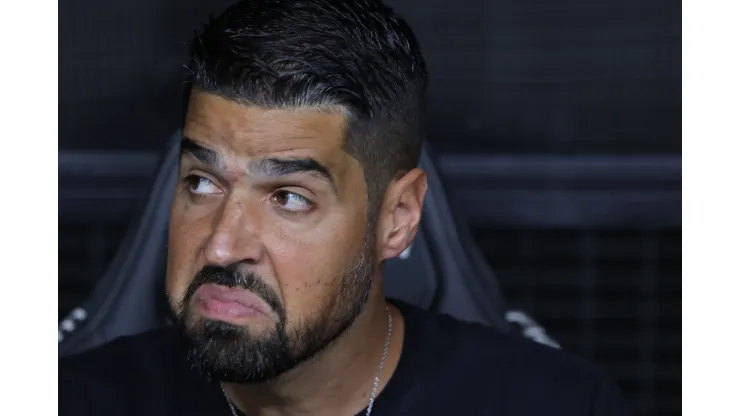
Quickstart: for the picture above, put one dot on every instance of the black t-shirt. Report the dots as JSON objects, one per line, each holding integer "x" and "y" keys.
{"x": 447, "y": 367}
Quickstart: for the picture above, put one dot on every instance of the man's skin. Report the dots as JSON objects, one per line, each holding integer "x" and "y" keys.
{"x": 235, "y": 211}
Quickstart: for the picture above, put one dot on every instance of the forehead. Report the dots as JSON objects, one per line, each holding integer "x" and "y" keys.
{"x": 251, "y": 131}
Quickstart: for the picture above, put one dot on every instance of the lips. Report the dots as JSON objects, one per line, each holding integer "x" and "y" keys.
{"x": 223, "y": 302}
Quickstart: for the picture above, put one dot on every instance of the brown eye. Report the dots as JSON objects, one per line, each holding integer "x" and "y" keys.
{"x": 292, "y": 202}
{"x": 198, "y": 185}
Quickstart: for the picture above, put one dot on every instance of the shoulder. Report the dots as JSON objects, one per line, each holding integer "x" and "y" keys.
{"x": 512, "y": 371}
{"x": 100, "y": 381}
{"x": 122, "y": 355}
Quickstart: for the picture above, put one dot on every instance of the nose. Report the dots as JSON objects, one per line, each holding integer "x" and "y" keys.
{"x": 234, "y": 237}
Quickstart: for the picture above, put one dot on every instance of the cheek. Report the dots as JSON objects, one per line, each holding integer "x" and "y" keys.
{"x": 184, "y": 241}
{"x": 310, "y": 266}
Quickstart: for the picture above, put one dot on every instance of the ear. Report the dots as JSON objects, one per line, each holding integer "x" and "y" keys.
{"x": 400, "y": 213}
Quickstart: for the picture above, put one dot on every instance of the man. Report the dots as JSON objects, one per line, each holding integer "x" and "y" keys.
{"x": 297, "y": 180}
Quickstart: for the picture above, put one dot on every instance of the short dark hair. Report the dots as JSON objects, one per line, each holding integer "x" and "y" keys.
{"x": 355, "y": 55}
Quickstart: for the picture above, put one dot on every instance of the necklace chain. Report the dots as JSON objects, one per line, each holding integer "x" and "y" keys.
{"x": 376, "y": 381}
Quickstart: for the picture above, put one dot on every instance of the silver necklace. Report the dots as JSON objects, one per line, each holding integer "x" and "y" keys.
{"x": 376, "y": 382}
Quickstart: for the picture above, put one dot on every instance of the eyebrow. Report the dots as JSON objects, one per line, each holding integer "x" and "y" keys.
{"x": 270, "y": 167}
{"x": 201, "y": 153}
{"x": 278, "y": 167}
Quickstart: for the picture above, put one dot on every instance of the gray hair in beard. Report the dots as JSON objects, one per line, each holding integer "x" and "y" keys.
{"x": 225, "y": 352}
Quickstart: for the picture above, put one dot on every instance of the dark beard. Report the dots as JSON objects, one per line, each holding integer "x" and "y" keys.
{"x": 225, "y": 352}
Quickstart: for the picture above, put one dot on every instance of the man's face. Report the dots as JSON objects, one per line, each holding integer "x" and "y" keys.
{"x": 270, "y": 255}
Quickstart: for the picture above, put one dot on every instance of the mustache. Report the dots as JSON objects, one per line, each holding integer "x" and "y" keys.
{"x": 233, "y": 277}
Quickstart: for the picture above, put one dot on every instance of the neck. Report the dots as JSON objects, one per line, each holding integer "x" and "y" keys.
{"x": 337, "y": 380}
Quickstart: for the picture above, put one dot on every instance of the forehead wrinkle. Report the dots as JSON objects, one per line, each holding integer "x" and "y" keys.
{"x": 282, "y": 124}
{"x": 236, "y": 121}
{"x": 241, "y": 131}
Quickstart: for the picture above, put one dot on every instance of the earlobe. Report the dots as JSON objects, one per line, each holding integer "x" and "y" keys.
{"x": 402, "y": 213}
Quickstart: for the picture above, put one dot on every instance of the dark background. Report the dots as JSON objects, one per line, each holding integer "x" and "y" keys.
{"x": 558, "y": 127}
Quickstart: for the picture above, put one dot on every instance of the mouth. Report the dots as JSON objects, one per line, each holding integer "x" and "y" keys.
{"x": 229, "y": 304}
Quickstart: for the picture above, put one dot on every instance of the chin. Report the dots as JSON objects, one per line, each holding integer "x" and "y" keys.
{"x": 224, "y": 352}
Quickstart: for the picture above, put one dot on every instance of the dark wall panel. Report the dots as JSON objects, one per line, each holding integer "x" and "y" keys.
{"x": 532, "y": 76}
{"x": 120, "y": 70}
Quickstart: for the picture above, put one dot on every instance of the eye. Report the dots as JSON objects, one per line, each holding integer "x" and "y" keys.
{"x": 200, "y": 186}
{"x": 292, "y": 202}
